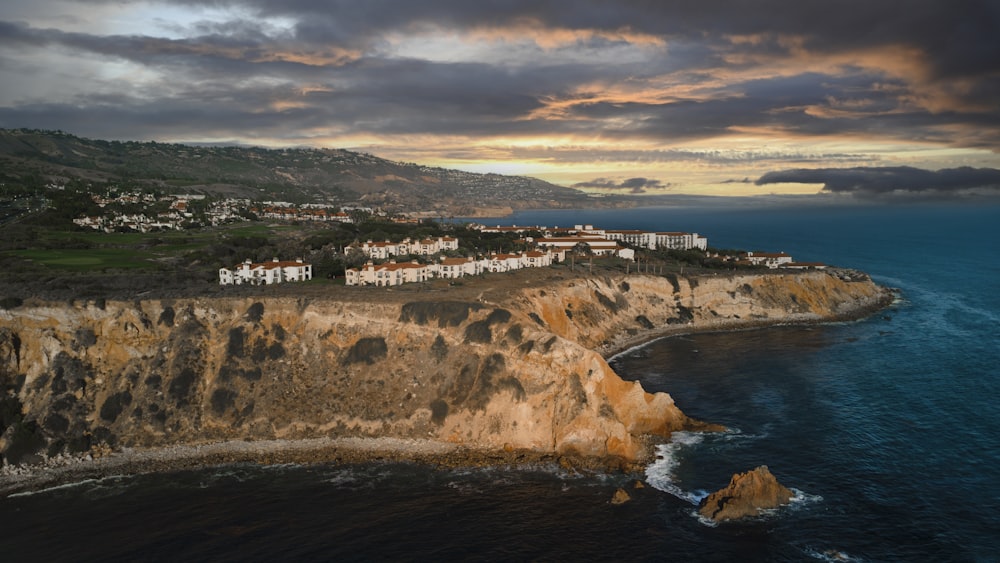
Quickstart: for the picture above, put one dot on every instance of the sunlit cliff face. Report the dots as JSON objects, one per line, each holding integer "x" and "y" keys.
{"x": 700, "y": 99}
{"x": 495, "y": 369}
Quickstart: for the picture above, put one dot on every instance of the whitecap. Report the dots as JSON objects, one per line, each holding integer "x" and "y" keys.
{"x": 64, "y": 486}
{"x": 802, "y": 499}
{"x": 831, "y": 555}
{"x": 660, "y": 473}
{"x": 342, "y": 478}
{"x": 704, "y": 520}
{"x": 736, "y": 435}
{"x": 637, "y": 351}
{"x": 92, "y": 489}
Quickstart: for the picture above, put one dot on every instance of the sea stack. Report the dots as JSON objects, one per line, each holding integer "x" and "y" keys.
{"x": 747, "y": 494}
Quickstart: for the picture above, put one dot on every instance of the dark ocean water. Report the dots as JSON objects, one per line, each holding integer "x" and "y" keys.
{"x": 888, "y": 429}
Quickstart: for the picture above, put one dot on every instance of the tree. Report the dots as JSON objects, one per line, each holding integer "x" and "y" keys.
{"x": 583, "y": 249}
{"x": 355, "y": 257}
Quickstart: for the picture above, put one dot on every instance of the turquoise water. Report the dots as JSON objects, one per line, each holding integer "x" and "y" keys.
{"x": 886, "y": 429}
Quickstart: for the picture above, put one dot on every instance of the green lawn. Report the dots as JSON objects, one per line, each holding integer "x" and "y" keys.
{"x": 87, "y": 260}
{"x": 132, "y": 250}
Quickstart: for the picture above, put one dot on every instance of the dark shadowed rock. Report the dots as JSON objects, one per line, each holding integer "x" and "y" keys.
{"x": 747, "y": 494}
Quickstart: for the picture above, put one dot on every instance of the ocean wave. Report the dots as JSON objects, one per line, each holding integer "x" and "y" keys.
{"x": 660, "y": 473}
{"x": 465, "y": 488}
{"x": 831, "y": 555}
{"x": 91, "y": 489}
{"x": 345, "y": 478}
{"x": 56, "y": 488}
{"x": 803, "y": 498}
{"x": 737, "y": 435}
{"x": 637, "y": 351}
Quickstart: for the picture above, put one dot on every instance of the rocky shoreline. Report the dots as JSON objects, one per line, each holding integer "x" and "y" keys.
{"x": 67, "y": 469}
{"x": 621, "y": 345}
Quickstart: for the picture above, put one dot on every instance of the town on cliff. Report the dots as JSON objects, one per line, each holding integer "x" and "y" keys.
{"x": 391, "y": 263}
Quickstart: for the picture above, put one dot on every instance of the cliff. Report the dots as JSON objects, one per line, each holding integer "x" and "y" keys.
{"x": 519, "y": 368}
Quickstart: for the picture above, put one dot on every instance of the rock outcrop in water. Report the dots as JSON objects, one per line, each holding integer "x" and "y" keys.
{"x": 488, "y": 367}
{"x": 746, "y": 495}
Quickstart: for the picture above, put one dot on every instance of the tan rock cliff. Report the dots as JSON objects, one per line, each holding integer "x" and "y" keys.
{"x": 515, "y": 369}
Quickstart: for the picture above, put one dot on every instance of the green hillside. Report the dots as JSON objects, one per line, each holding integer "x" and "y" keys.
{"x": 296, "y": 175}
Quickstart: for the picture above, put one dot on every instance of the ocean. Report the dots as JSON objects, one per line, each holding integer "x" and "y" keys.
{"x": 885, "y": 428}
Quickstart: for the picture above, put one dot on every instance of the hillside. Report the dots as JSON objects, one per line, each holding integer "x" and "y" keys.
{"x": 298, "y": 175}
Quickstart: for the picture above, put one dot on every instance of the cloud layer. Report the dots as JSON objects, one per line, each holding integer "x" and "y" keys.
{"x": 884, "y": 181}
{"x": 675, "y": 93}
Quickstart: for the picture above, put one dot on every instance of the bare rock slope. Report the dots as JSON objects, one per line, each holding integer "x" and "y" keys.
{"x": 518, "y": 369}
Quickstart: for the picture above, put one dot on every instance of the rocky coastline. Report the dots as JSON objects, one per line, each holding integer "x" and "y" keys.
{"x": 487, "y": 377}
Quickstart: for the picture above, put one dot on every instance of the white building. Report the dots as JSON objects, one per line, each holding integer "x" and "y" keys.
{"x": 598, "y": 245}
{"x": 680, "y": 241}
{"x": 504, "y": 262}
{"x": 641, "y": 239}
{"x": 555, "y": 237}
{"x": 453, "y": 268}
{"x": 537, "y": 259}
{"x": 658, "y": 240}
{"x": 265, "y": 273}
{"x": 389, "y": 274}
{"x": 428, "y": 247}
{"x": 770, "y": 259}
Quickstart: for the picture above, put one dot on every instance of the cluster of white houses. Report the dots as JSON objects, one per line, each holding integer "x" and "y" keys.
{"x": 266, "y": 273}
{"x": 774, "y": 260}
{"x": 395, "y": 273}
{"x": 305, "y": 213}
{"x": 551, "y": 248}
{"x": 653, "y": 240}
{"x": 173, "y": 219}
{"x": 386, "y": 249}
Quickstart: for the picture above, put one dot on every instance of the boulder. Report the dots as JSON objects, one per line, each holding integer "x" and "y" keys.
{"x": 620, "y": 497}
{"x": 747, "y": 494}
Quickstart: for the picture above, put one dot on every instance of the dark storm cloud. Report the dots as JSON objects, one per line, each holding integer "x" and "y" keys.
{"x": 910, "y": 70}
{"x": 240, "y": 54}
{"x": 870, "y": 181}
{"x": 633, "y": 185}
{"x": 958, "y": 36}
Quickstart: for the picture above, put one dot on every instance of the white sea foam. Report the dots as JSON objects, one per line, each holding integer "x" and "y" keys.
{"x": 93, "y": 489}
{"x": 46, "y": 490}
{"x": 737, "y": 435}
{"x": 703, "y": 520}
{"x": 464, "y": 488}
{"x": 342, "y": 478}
{"x": 634, "y": 349}
{"x": 803, "y": 498}
{"x": 660, "y": 473}
{"x": 831, "y": 555}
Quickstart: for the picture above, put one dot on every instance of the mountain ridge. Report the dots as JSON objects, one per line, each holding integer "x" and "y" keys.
{"x": 298, "y": 175}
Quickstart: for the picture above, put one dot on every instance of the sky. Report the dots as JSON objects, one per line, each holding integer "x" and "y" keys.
{"x": 869, "y": 99}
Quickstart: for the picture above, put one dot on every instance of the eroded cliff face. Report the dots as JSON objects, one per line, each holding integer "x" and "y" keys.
{"x": 522, "y": 372}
